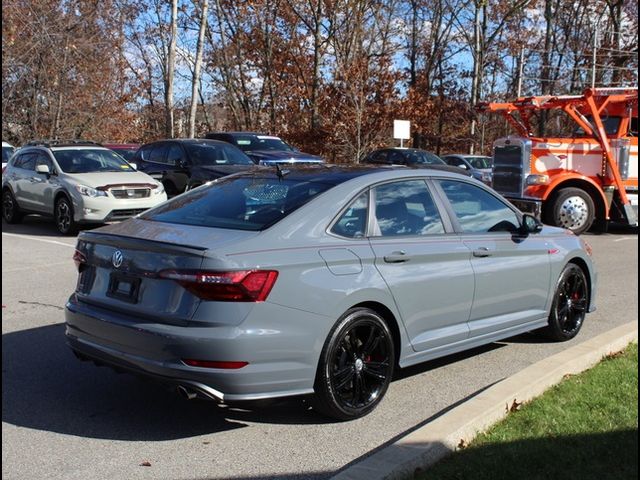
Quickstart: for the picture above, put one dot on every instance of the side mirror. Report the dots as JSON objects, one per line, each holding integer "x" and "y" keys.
{"x": 43, "y": 169}
{"x": 182, "y": 163}
{"x": 462, "y": 166}
{"x": 133, "y": 165}
{"x": 530, "y": 224}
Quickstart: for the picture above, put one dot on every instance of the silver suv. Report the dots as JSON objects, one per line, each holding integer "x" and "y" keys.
{"x": 76, "y": 182}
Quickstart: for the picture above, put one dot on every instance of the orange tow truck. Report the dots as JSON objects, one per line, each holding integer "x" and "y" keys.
{"x": 578, "y": 181}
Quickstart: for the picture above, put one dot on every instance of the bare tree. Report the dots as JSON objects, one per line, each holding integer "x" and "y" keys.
{"x": 195, "y": 83}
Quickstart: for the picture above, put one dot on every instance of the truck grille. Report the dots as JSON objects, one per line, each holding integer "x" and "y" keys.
{"x": 130, "y": 192}
{"x": 507, "y": 169}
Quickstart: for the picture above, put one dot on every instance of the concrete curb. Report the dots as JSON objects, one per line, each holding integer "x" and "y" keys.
{"x": 425, "y": 446}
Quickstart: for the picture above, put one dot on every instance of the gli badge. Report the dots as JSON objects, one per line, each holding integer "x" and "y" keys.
{"x": 117, "y": 258}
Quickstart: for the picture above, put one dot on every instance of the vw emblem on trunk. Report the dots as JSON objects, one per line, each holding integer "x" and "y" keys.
{"x": 117, "y": 258}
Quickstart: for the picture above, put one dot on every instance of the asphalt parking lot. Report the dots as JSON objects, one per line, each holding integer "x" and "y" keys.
{"x": 62, "y": 419}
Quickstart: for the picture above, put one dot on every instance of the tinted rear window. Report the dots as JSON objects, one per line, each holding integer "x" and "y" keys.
{"x": 242, "y": 203}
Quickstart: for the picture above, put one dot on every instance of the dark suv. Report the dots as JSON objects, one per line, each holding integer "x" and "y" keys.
{"x": 183, "y": 164}
{"x": 265, "y": 149}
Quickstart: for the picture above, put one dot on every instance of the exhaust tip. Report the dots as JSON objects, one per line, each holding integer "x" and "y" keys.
{"x": 186, "y": 392}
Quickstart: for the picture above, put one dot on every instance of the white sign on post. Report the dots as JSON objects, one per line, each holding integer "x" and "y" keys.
{"x": 402, "y": 130}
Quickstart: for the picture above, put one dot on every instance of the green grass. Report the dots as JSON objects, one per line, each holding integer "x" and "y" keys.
{"x": 584, "y": 428}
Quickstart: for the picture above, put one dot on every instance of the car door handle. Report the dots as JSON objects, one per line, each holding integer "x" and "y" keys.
{"x": 482, "y": 252}
{"x": 396, "y": 257}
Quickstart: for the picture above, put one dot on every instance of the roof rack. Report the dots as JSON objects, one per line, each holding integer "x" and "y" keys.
{"x": 60, "y": 143}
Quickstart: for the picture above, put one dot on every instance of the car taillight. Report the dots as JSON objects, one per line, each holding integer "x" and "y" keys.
{"x": 236, "y": 286}
{"x": 79, "y": 259}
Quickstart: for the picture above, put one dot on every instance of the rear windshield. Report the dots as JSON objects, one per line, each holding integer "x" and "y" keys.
{"x": 248, "y": 143}
{"x": 241, "y": 203}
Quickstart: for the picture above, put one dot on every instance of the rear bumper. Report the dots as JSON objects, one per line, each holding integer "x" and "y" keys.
{"x": 282, "y": 362}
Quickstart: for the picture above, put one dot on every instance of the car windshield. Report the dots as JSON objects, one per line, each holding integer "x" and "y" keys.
{"x": 91, "y": 160}
{"x": 241, "y": 203}
{"x": 6, "y": 153}
{"x": 480, "y": 162}
{"x": 422, "y": 157}
{"x": 248, "y": 143}
{"x": 216, "y": 154}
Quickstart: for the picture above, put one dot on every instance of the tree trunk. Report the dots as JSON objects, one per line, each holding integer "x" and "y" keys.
{"x": 195, "y": 82}
{"x": 171, "y": 65}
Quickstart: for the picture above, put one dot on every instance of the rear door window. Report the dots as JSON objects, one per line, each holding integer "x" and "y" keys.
{"x": 26, "y": 161}
{"x": 405, "y": 208}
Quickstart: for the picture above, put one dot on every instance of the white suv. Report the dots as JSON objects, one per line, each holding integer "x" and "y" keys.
{"x": 76, "y": 182}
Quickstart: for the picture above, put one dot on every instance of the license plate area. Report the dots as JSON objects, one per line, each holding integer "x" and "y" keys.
{"x": 123, "y": 287}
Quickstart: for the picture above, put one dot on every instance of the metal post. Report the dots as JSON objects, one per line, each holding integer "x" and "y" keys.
{"x": 593, "y": 59}
{"x": 520, "y": 70}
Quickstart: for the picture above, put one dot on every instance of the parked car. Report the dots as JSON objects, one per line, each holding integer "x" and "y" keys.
{"x": 126, "y": 150}
{"x": 320, "y": 281}
{"x": 479, "y": 166}
{"x": 402, "y": 156}
{"x": 183, "y": 164}
{"x": 7, "y": 151}
{"x": 265, "y": 149}
{"x": 76, "y": 182}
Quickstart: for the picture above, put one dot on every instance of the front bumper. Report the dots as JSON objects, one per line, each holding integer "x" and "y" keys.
{"x": 282, "y": 362}
{"x": 527, "y": 205}
{"x": 107, "y": 209}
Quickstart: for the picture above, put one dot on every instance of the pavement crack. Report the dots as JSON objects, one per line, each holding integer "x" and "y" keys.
{"x": 41, "y": 304}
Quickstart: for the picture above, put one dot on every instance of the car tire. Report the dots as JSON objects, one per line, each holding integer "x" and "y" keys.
{"x": 570, "y": 304}
{"x": 356, "y": 366}
{"x": 63, "y": 214}
{"x": 571, "y": 208}
{"x": 170, "y": 189}
{"x": 10, "y": 209}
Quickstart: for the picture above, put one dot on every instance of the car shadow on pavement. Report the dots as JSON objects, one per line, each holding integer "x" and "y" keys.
{"x": 44, "y": 387}
{"x": 39, "y": 226}
{"x": 441, "y": 362}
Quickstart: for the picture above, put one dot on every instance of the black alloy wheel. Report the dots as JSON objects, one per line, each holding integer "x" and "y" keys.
{"x": 570, "y": 303}
{"x": 65, "y": 223}
{"x": 10, "y": 210}
{"x": 356, "y": 366}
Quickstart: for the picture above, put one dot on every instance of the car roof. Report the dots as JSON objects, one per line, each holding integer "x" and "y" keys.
{"x": 188, "y": 141}
{"x": 121, "y": 145}
{"x": 465, "y": 155}
{"x": 257, "y": 134}
{"x": 335, "y": 174}
{"x": 405, "y": 149}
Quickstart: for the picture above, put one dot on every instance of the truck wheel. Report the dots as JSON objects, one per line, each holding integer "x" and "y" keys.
{"x": 571, "y": 208}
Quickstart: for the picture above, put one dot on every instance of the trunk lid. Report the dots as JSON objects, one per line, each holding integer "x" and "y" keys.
{"x": 121, "y": 265}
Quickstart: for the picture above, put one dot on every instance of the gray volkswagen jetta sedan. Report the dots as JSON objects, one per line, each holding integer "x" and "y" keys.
{"x": 320, "y": 280}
